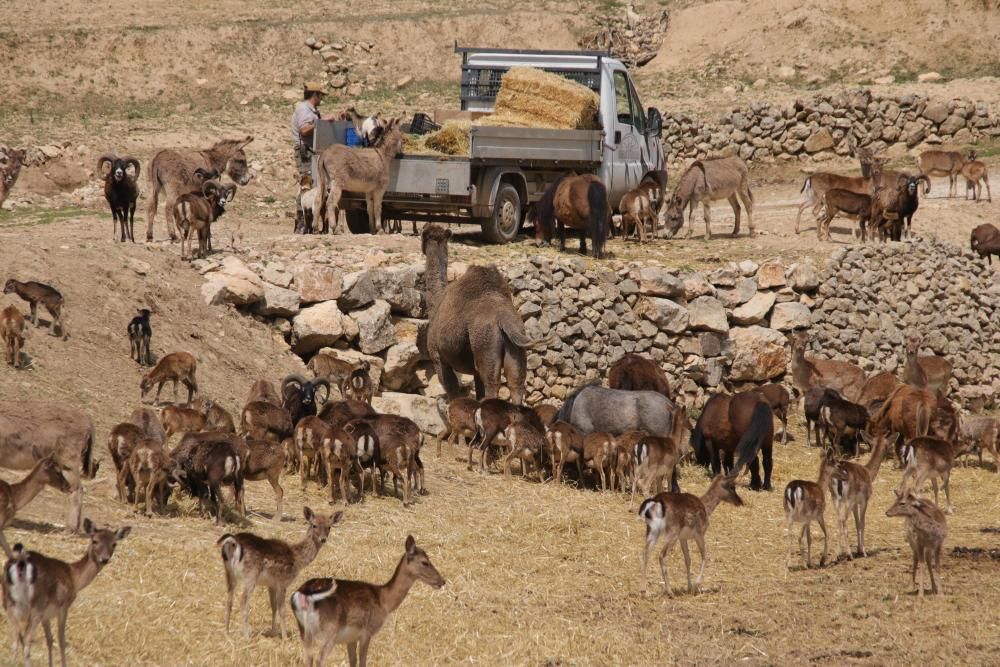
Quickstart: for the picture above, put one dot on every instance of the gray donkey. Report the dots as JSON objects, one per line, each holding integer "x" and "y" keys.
{"x": 706, "y": 181}
{"x": 593, "y": 408}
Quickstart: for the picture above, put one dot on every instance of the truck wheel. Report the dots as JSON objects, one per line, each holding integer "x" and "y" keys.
{"x": 357, "y": 220}
{"x": 503, "y": 225}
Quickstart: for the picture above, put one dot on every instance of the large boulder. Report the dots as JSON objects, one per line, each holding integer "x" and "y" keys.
{"x": 375, "y": 329}
{"x": 654, "y": 281}
{"x": 790, "y": 315}
{"x": 668, "y": 315}
{"x": 821, "y": 140}
{"x": 755, "y": 310}
{"x": 317, "y": 282}
{"x": 952, "y": 124}
{"x": 804, "y": 277}
{"x": 400, "y": 362}
{"x": 757, "y": 353}
{"x": 319, "y": 326}
{"x": 695, "y": 285}
{"x": 771, "y": 274}
{"x": 935, "y": 112}
{"x": 233, "y": 283}
{"x": 278, "y": 302}
{"x": 421, "y": 409}
{"x": 707, "y": 314}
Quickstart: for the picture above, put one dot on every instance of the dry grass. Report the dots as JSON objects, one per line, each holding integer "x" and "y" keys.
{"x": 530, "y": 97}
{"x": 546, "y": 574}
{"x": 451, "y": 139}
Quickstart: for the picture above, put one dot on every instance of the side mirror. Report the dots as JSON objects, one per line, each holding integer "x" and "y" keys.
{"x": 654, "y": 121}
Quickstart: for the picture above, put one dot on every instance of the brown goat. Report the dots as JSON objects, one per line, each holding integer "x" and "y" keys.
{"x": 12, "y": 334}
{"x": 985, "y": 241}
{"x": 40, "y": 293}
{"x": 175, "y": 367}
{"x": 261, "y": 420}
{"x": 459, "y": 417}
{"x": 178, "y": 419}
{"x": 217, "y": 418}
{"x": 851, "y": 205}
{"x": 263, "y": 390}
{"x": 943, "y": 163}
{"x": 10, "y": 167}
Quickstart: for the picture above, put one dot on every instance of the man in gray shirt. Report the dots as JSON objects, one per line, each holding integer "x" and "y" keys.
{"x": 304, "y": 120}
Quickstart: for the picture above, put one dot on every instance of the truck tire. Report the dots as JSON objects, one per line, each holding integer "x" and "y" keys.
{"x": 503, "y": 225}
{"x": 357, "y": 220}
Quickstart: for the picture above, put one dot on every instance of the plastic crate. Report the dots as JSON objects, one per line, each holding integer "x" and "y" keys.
{"x": 351, "y": 137}
{"x": 483, "y": 84}
{"x": 422, "y": 124}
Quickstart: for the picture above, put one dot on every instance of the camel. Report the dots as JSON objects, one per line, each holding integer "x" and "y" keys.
{"x": 474, "y": 327}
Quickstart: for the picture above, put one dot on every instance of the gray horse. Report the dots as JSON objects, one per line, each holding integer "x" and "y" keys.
{"x": 593, "y": 408}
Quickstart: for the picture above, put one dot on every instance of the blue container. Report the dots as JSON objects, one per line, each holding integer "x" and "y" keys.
{"x": 351, "y": 137}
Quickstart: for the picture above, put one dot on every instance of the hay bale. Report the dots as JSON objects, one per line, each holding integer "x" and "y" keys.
{"x": 530, "y": 97}
{"x": 451, "y": 139}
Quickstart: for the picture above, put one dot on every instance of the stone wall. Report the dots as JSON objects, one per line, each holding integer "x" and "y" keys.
{"x": 820, "y": 126}
{"x": 729, "y": 323}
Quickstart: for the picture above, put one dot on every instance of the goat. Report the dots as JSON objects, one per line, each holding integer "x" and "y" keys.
{"x": 121, "y": 191}
{"x": 979, "y": 434}
{"x": 153, "y": 470}
{"x": 174, "y": 367}
{"x": 338, "y": 413}
{"x": 525, "y": 442}
{"x": 546, "y": 412}
{"x": 148, "y": 421}
{"x": 929, "y": 372}
{"x": 819, "y": 183}
{"x": 342, "y": 168}
{"x": 493, "y": 416}
{"x": 251, "y": 560}
{"x": 139, "y": 335}
{"x": 459, "y": 417}
{"x": 368, "y": 128}
{"x": 198, "y": 212}
{"x": 850, "y": 487}
{"x": 847, "y": 378}
{"x": 837, "y": 416}
{"x": 307, "y": 199}
{"x": 706, "y": 181}
{"x": 326, "y": 364}
{"x": 366, "y": 447}
{"x": 926, "y": 528}
{"x": 815, "y": 398}
{"x": 217, "y": 418}
{"x": 265, "y": 461}
{"x": 207, "y": 464}
{"x": 358, "y": 385}
{"x": 263, "y": 390}
{"x": 261, "y": 420}
{"x": 10, "y": 167}
{"x": 39, "y": 293}
{"x": 943, "y": 163}
{"x": 974, "y": 172}
{"x": 336, "y": 611}
{"x": 895, "y": 198}
{"x": 14, "y": 497}
{"x": 928, "y": 458}
{"x": 121, "y": 442}
{"x": 399, "y": 442}
{"x": 12, "y": 335}
{"x": 637, "y": 373}
{"x": 177, "y": 419}
{"x": 852, "y": 205}
{"x": 300, "y": 398}
{"x": 985, "y": 241}
{"x": 804, "y": 502}
{"x": 37, "y": 588}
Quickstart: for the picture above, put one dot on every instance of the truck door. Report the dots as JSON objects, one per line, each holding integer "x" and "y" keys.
{"x": 627, "y": 139}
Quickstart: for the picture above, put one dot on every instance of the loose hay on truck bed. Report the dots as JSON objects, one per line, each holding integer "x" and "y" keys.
{"x": 451, "y": 139}
{"x": 530, "y": 97}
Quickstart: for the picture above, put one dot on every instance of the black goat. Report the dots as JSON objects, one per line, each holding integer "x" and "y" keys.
{"x": 122, "y": 192}
{"x": 208, "y": 461}
{"x": 837, "y": 415}
{"x": 298, "y": 396}
{"x": 139, "y": 334}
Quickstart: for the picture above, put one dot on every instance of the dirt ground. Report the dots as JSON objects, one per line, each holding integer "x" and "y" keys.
{"x": 538, "y": 574}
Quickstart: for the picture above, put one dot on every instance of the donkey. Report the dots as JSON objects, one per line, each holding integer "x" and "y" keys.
{"x": 593, "y": 408}
{"x": 706, "y": 181}
{"x": 725, "y": 424}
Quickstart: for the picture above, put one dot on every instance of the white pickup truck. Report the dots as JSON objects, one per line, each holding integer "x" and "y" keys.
{"x": 509, "y": 168}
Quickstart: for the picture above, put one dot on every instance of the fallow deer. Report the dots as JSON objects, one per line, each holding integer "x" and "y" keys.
{"x": 683, "y": 517}
{"x": 851, "y": 487}
{"x": 337, "y": 611}
{"x": 565, "y": 446}
{"x": 655, "y": 459}
{"x": 252, "y": 560}
{"x": 928, "y": 458}
{"x": 459, "y": 417}
{"x": 926, "y": 528}
{"x": 15, "y": 496}
{"x": 598, "y": 450}
{"x": 37, "y": 588}
{"x": 805, "y": 502}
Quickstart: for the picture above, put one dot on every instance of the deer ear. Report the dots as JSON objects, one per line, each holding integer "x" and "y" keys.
{"x": 123, "y": 533}
{"x": 411, "y": 545}
{"x": 88, "y": 527}
{"x": 307, "y": 513}
{"x": 336, "y": 518}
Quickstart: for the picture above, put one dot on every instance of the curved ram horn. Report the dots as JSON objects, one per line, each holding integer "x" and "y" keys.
{"x": 229, "y": 192}
{"x": 128, "y": 159}
{"x": 290, "y": 379}
{"x": 210, "y": 187}
{"x": 322, "y": 382}
{"x": 106, "y": 157}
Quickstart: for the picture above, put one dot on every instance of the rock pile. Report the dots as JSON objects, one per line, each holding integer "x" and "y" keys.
{"x": 872, "y": 297}
{"x": 348, "y": 65}
{"x": 822, "y": 125}
{"x": 630, "y": 37}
